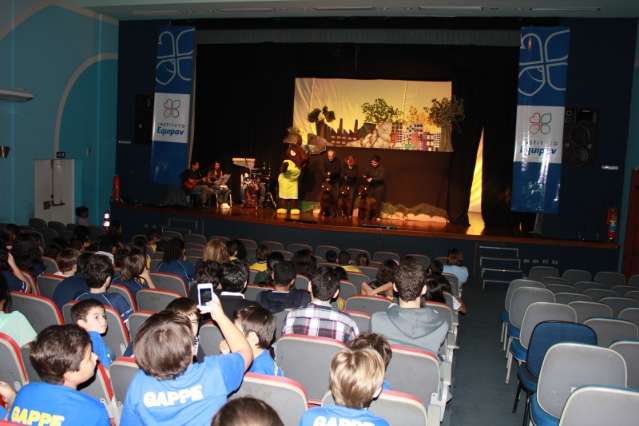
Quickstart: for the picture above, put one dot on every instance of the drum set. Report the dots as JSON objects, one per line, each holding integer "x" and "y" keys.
{"x": 255, "y": 184}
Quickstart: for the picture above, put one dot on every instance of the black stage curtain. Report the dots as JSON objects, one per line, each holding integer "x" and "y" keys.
{"x": 244, "y": 103}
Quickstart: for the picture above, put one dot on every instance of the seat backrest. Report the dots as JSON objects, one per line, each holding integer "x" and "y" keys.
{"x": 610, "y": 278}
{"x": 354, "y": 252}
{"x": 347, "y": 290}
{"x": 516, "y": 284}
{"x": 280, "y": 318}
{"x": 524, "y": 297}
{"x": 570, "y": 365}
{"x": 357, "y": 280}
{"x": 574, "y": 275}
{"x": 543, "y": 311}
{"x": 32, "y": 374}
{"x": 610, "y": 330}
{"x": 99, "y": 387}
{"x": 587, "y": 310}
{"x": 66, "y": 312}
{"x": 383, "y": 256}
{"x": 195, "y": 238}
{"x": 414, "y": 371}
{"x": 633, "y": 294}
{"x": 172, "y": 234}
{"x": 252, "y": 292}
{"x": 154, "y": 299}
{"x": 288, "y": 255}
{"x": 597, "y": 405}
{"x": 555, "y": 280}
{"x": 50, "y": 265}
{"x": 362, "y": 319}
{"x": 47, "y": 284}
{"x": 295, "y": 247}
{"x": 549, "y": 333}
{"x": 585, "y": 285}
{"x": 136, "y": 319}
{"x": 249, "y": 243}
{"x": 621, "y": 290}
{"x": 295, "y": 353}
{"x": 301, "y": 282}
{"x": 40, "y": 311}
{"x": 566, "y": 298}
{"x": 599, "y": 293}
{"x": 397, "y": 408}
{"x": 538, "y": 272}
{"x": 273, "y": 245}
{"x": 560, "y": 288}
{"x": 323, "y": 248}
{"x": 38, "y": 223}
{"x": 287, "y": 397}
{"x": 117, "y": 336}
{"x": 122, "y": 371}
{"x": 210, "y": 338}
{"x": 171, "y": 282}
{"x": 630, "y": 314}
{"x": 369, "y": 271}
{"x": 12, "y": 368}
{"x": 454, "y": 283}
{"x": 58, "y": 226}
{"x": 123, "y": 291}
{"x": 618, "y": 304}
{"x": 422, "y": 259}
{"x": 629, "y": 350}
{"x": 368, "y": 304}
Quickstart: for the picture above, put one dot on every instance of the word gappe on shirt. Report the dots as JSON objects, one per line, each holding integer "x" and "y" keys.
{"x": 337, "y": 421}
{"x": 25, "y": 416}
{"x": 171, "y": 398}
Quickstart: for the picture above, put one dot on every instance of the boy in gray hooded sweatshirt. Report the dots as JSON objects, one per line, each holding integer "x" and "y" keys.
{"x": 408, "y": 323}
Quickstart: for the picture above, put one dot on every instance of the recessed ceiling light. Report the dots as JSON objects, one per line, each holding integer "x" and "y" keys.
{"x": 565, "y": 9}
{"x": 343, "y": 8}
{"x": 153, "y": 12}
{"x": 452, "y": 8}
{"x": 246, "y": 9}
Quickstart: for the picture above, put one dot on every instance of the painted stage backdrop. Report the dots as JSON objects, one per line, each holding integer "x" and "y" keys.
{"x": 382, "y": 114}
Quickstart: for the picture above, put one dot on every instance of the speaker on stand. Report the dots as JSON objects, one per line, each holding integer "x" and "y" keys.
{"x": 580, "y": 136}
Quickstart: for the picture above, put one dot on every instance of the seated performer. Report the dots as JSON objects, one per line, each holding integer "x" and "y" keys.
{"x": 375, "y": 178}
{"x": 221, "y": 191}
{"x": 192, "y": 182}
{"x": 350, "y": 175}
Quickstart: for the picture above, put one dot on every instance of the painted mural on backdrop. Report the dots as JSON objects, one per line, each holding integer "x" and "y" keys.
{"x": 172, "y": 103}
{"x": 543, "y": 67}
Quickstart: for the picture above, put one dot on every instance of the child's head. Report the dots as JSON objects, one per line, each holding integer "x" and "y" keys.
{"x": 331, "y": 256}
{"x": 120, "y": 254}
{"x": 283, "y": 274}
{"x": 341, "y": 273}
{"x": 325, "y": 284}
{"x": 90, "y": 316}
{"x": 386, "y": 272}
{"x": 61, "y": 354}
{"x": 257, "y": 324}
{"x": 344, "y": 258}
{"x": 164, "y": 345}
{"x": 455, "y": 257}
{"x": 246, "y": 411}
{"x": 133, "y": 265}
{"x": 233, "y": 277}
{"x": 362, "y": 259}
{"x": 409, "y": 281}
{"x": 173, "y": 250}
{"x": 375, "y": 341}
{"x": 356, "y": 377}
{"x": 98, "y": 271}
{"x": 262, "y": 252}
{"x": 437, "y": 286}
{"x": 188, "y": 308}
{"x": 67, "y": 260}
{"x": 273, "y": 258}
{"x": 215, "y": 250}
{"x": 435, "y": 268}
{"x": 236, "y": 249}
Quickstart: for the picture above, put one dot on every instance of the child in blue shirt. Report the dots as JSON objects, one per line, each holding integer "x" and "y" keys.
{"x": 62, "y": 357}
{"x": 355, "y": 380}
{"x": 169, "y": 389}
{"x": 98, "y": 273}
{"x": 173, "y": 261}
{"x": 258, "y": 326}
{"x": 89, "y": 315}
{"x": 134, "y": 275}
{"x": 380, "y": 344}
{"x": 7, "y": 396}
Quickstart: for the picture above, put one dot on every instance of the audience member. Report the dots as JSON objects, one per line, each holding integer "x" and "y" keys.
{"x": 380, "y": 344}
{"x": 152, "y": 239}
{"x": 384, "y": 283}
{"x": 234, "y": 278}
{"x": 331, "y": 256}
{"x": 164, "y": 351}
{"x": 205, "y": 272}
{"x": 438, "y": 286}
{"x": 70, "y": 287}
{"x": 173, "y": 260}
{"x": 188, "y": 308}
{"x": 106, "y": 246}
{"x": 246, "y": 411}
{"x": 362, "y": 259}
{"x": 236, "y": 249}
{"x": 305, "y": 263}
{"x": 67, "y": 261}
{"x": 215, "y": 251}
{"x": 82, "y": 216}
{"x": 15, "y": 279}
{"x": 98, "y": 275}
{"x": 134, "y": 274}
{"x": 62, "y": 357}
{"x": 319, "y": 318}
{"x": 284, "y": 296}
{"x": 265, "y": 278}
{"x": 14, "y": 324}
{"x": 455, "y": 265}
{"x": 261, "y": 256}
{"x": 89, "y": 315}
{"x": 356, "y": 379}
{"x": 344, "y": 260}
{"x": 408, "y": 323}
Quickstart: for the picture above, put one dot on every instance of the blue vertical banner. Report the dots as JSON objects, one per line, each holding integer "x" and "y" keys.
{"x": 543, "y": 69}
{"x": 172, "y": 104}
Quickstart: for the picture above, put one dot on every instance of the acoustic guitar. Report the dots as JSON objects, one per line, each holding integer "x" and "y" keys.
{"x": 190, "y": 183}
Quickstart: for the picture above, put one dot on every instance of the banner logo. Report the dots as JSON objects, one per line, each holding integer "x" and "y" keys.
{"x": 172, "y": 108}
{"x": 175, "y": 56}
{"x": 546, "y": 65}
{"x": 540, "y": 123}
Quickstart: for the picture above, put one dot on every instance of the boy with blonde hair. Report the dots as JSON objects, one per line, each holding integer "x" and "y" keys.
{"x": 355, "y": 381}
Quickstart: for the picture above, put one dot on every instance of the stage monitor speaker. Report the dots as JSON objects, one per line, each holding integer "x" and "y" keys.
{"x": 580, "y": 136}
{"x": 143, "y": 118}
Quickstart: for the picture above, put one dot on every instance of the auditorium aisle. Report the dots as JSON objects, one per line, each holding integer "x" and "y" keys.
{"x": 480, "y": 395}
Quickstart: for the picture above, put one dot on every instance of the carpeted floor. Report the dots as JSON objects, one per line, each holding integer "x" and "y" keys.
{"x": 480, "y": 395}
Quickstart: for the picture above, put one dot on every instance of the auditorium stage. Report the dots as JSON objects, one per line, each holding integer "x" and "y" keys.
{"x": 404, "y": 237}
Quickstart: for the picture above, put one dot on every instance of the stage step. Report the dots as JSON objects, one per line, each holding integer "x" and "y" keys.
{"x": 499, "y": 262}
{"x": 500, "y": 252}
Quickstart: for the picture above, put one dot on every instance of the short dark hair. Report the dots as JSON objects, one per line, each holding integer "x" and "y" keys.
{"x": 324, "y": 283}
{"x": 273, "y": 258}
{"x": 344, "y": 258}
{"x": 182, "y": 305}
{"x": 236, "y": 248}
{"x": 258, "y": 320}
{"x": 97, "y": 270}
{"x": 375, "y": 341}
{"x": 106, "y": 243}
{"x": 362, "y": 259}
{"x": 454, "y": 257}
{"x": 133, "y": 265}
{"x": 386, "y": 272}
{"x": 283, "y": 272}
{"x": 58, "y": 349}
{"x": 246, "y": 411}
{"x": 233, "y": 276}
{"x": 376, "y": 158}
{"x": 83, "y": 261}
{"x": 173, "y": 250}
{"x": 409, "y": 281}
{"x": 80, "y": 310}
{"x": 331, "y": 256}
{"x": 67, "y": 259}
{"x": 163, "y": 347}
{"x": 120, "y": 254}
{"x": 207, "y": 272}
{"x": 262, "y": 252}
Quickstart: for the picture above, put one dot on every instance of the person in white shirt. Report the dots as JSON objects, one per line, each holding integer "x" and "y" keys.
{"x": 455, "y": 266}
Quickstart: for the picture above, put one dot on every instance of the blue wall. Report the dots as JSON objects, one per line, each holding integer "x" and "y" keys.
{"x": 44, "y": 49}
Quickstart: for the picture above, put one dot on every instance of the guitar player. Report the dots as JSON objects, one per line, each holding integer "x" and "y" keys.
{"x": 192, "y": 183}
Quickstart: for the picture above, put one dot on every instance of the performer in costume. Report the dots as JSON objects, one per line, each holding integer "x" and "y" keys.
{"x": 350, "y": 173}
{"x": 294, "y": 159}
{"x": 375, "y": 177}
{"x": 332, "y": 171}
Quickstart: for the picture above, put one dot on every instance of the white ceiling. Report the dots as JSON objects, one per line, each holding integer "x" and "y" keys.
{"x": 198, "y": 9}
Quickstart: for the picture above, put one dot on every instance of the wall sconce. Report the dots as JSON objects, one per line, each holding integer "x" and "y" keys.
{"x": 4, "y": 151}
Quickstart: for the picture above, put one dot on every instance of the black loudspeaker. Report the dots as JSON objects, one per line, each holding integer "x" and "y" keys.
{"x": 143, "y": 118}
{"x": 580, "y": 136}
